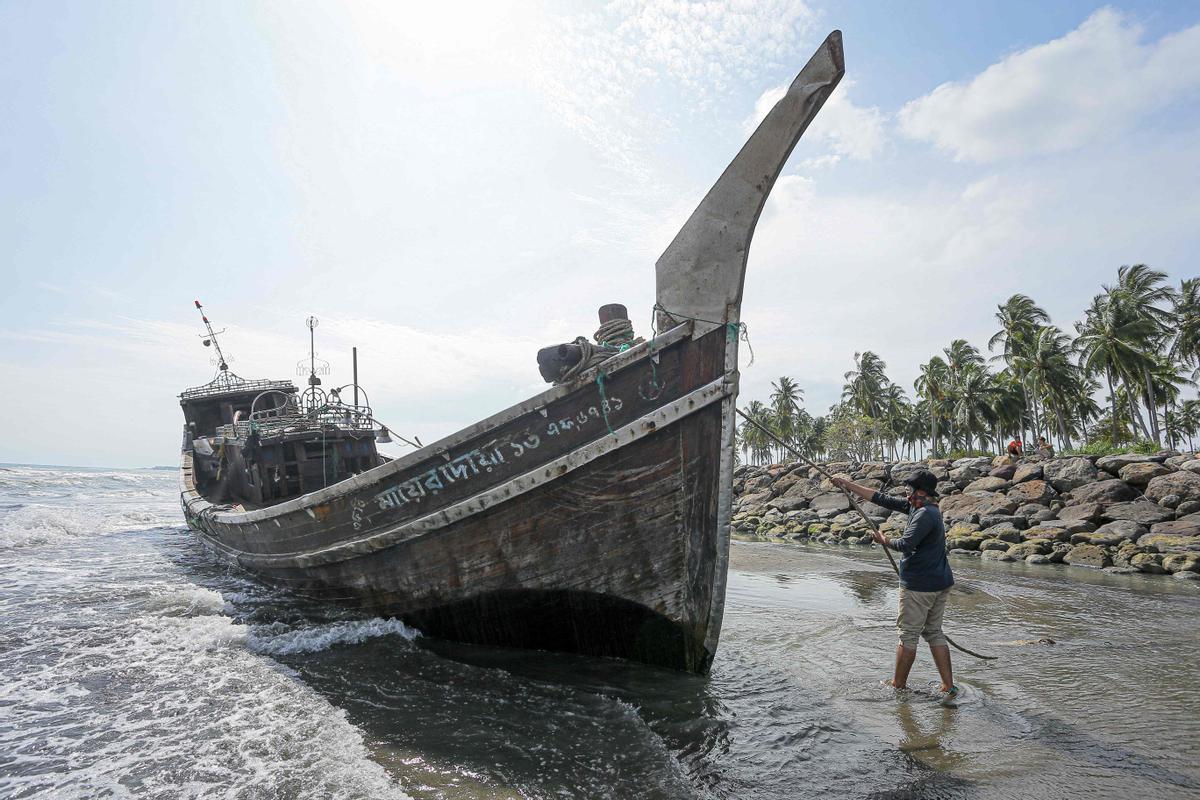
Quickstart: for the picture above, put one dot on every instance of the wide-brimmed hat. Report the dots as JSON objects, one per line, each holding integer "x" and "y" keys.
{"x": 925, "y": 481}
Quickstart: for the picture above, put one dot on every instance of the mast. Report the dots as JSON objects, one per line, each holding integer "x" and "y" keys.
{"x": 700, "y": 275}
{"x": 210, "y": 339}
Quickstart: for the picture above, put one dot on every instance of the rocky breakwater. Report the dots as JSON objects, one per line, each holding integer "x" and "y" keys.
{"x": 1121, "y": 513}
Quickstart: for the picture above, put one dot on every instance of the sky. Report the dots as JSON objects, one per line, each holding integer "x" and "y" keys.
{"x": 451, "y": 186}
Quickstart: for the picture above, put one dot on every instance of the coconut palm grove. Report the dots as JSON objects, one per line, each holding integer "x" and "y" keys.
{"x": 1116, "y": 384}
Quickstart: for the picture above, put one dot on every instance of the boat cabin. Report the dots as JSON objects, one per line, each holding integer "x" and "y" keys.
{"x": 255, "y": 443}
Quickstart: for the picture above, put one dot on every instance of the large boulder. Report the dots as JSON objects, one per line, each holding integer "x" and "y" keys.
{"x": 1069, "y": 525}
{"x": 1142, "y": 473}
{"x": 1032, "y": 547}
{"x": 1192, "y": 465}
{"x": 1110, "y": 534}
{"x": 1034, "y": 512}
{"x": 961, "y": 476}
{"x": 754, "y": 499}
{"x": 1141, "y": 511}
{"x": 988, "y": 520}
{"x": 1085, "y": 511}
{"x": 969, "y": 543}
{"x": 1182, "y": 562}
{"x": 960, "y": 506}
{"x": 1044, "y": 534}
{"x": 1148, "y": 562}
{"x": 1188, "y": 526}
{"x": 962, "y": 529}
{"x": 1184, "y": 485}
{"x": 906, "y": 469}
{"x": 1027, "y": 472}
{"x": 1005, "y": 532}
{"x": 826, "y": 485}
{"x": 1167, "y": 540}
{"x": 830, "y": 501}
{"x": 1110, "y": 491}
{"x": 987, "y": 484}
{"x": 1114, "y": 463}
{"x": 877, "y": 513}
{"x": 798, "y": 495}
{"x": 1088, "y": 555}
{"x": 1032, "y": 491}
{"x": 876, "y": 470}
{"x": 981, "y": 463}
{"x": 1065, "y": 474}
{"x": 786, "y": 482}
{"x": 1004, "y": 472}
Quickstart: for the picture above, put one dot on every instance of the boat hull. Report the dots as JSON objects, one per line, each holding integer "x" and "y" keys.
{"x": 595, "y": 542}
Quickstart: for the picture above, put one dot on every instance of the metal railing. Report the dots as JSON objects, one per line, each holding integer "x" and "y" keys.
{"x": 227, "y": 382}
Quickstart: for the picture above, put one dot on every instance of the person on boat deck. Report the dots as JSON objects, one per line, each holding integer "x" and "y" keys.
{"x": 925, "y": 577}
{"x": 1014, "y": 448}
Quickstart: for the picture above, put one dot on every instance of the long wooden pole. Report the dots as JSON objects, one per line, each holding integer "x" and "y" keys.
{"x": 854, "y": 503}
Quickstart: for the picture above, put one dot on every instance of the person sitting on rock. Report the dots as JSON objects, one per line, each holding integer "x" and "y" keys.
{"x": 1014, "y": 448}
{"x": 925, "y": 576}
{"x": 1044, "y": 449}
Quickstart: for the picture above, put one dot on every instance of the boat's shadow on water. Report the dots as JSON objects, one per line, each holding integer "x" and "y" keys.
{"x": 543, "y": 724}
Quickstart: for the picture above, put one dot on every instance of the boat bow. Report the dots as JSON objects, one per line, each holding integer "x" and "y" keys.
{"x": 700, "y": 275}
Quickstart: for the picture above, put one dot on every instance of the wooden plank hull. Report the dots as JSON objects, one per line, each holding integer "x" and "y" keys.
{"x": 582, "y": 540}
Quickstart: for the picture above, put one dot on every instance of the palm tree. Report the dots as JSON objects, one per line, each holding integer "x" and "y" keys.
{"x": 1049, "y": 373}
{"x": 1139, "y": 288}
{"x": 1110, "y": 344}
{"x": 785, "y": 408}
{"x": 960, "y": 356}
{"x": 1186, "y": 345}
{"x": 755, "y": 443}
{"x": 1019, "y": 318}
{"x": 931, "y": 386}
{"x": 1010, "y": 403}
{"x": 864, "y": 384}
{"x": 895, "y": 406}
{"x": 973, "y": 410}
{"x": 1190, "y": 419}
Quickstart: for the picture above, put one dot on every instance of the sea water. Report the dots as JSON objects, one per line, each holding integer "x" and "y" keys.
{"x": 132, "y": 664}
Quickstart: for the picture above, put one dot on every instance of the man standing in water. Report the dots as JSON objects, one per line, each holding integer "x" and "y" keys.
{"x": 925, "y": 577}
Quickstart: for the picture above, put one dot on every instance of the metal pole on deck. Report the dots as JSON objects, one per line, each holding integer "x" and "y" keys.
{"x": 354, "y": 356}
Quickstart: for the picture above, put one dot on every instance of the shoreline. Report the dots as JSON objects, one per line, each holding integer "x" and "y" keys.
{"x": 1124, "y": 514}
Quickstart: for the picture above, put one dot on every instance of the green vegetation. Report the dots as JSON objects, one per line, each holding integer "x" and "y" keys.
{"x": 1137, "y": 347}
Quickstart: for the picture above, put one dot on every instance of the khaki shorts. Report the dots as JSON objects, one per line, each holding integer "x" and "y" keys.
{"x": 921, "y": 615}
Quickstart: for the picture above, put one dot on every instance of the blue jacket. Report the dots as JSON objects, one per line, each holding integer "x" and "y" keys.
{"x": 924, "y": 567}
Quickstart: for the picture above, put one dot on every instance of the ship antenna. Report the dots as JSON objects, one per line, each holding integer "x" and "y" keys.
{"x": 312, "y": 323}
{"x": 210, "y": 339}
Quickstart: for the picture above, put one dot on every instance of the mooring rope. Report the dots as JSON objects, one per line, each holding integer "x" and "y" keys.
{"x": 853, "y": 502}
{"x": 733, "y": 330}
{"x": 617, "y": 333}
{"x": 612, "y": 337}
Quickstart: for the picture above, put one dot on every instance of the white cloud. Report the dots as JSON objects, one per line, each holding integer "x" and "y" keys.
{"x": 605, "y": 73}
{"x": 845, "y": 129}
{"x": 1094, "y": 83}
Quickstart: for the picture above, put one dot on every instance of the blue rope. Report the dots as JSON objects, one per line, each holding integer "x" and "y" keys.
{"x": 600, "y": 376}
{"x": 733, "y": 330}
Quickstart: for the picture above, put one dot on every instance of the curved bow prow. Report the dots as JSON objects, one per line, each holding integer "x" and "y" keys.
{"x": 701, "y": 274}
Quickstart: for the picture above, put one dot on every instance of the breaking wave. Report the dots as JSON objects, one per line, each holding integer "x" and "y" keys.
{"x": 168, "y": 701}
{"x": 322, "y": 637}
{"x": 38, "y": 524}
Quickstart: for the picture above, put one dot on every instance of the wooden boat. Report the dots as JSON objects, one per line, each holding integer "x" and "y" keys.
{"x": 592, "y": 518}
